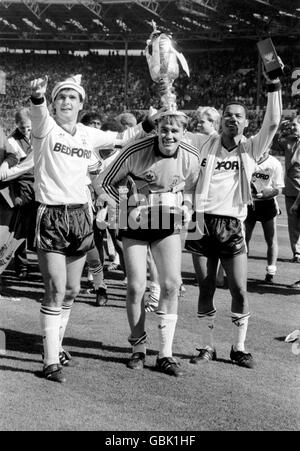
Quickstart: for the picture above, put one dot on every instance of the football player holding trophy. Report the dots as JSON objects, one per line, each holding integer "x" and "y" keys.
{"x": 162, "y": 171}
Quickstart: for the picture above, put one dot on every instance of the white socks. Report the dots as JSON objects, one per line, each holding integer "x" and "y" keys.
{"x": 54, "y": 322}
{"x": 166, "y": 331}
{"x": 138, "y": 344}
{"x": 50, "y": 318}
{"x": 240, "y": 325}
{"x": 271, "y": 269}
{"x": 155, "y": 290}
{"x": 97, "y": 276}
{"x": 207, "y": 323}
{"x": 65, "y": 315}
{"x": 141, "y": 347}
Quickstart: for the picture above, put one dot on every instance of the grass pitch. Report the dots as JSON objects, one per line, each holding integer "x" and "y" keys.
{"x": 102, "y": 394}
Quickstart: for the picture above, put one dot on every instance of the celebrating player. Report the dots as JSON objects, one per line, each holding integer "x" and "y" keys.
{"x": 64, "y": 150}
{"x": 161, "y": 168}
{"x": 222, "y": 194}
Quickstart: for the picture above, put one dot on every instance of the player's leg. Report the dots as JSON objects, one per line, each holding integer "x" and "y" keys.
{"x": 21, "y": 261}
{"x": 96, "y": 269}
{"x": 135, "y": 255}
{"x": 236, "y": 271}
{"x": 99, "y": 236}
{"x": 200, "y": 267}
{"x": 119, "y": 249}
{"x": 165, "y": 251}
{"x": 207, "y": 314}
{"x": 293, "y": 228}
{"x": 151, "y": 304}
{"x": 249, "y": 227}
{"x": 220, "y": 279}
{"x": 74, "y": 268}
{"x": 53, "y": 269}
{"x": 270, "y": 234}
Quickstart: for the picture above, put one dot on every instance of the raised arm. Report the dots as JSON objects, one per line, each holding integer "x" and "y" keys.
{"x": 118, "y": 140}
{"x": 271, "y": 121}
{"x": 42, "y": 122}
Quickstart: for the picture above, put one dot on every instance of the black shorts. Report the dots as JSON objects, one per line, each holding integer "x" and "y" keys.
{"x": 155, "y": 227}
{"x": 147, "y": 235}
{"x": 262, "y": 211}
{"x": 223, "y": 237}
{"x": 64, "y": 229}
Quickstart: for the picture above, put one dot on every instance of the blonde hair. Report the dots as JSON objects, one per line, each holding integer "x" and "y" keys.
{"x": 22, "y": 114}
{"x": 178, "y": 117}
{"x": 212, "y": 115}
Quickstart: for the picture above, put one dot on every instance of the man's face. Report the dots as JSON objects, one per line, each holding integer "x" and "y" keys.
{"x": 234, "y": 120}
{"x": 205, "y": 126}
{"x": 95, "y": 123}
{"x": 67, "y": 105}
{"x": 25, "y": 127}
{"x": 295, "y": 128}
{"x": 169, "y": 136}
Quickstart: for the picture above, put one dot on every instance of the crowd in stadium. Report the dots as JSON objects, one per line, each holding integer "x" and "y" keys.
{"x": 215, "y": 77}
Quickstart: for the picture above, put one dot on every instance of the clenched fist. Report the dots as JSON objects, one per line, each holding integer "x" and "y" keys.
{"x": 39, "y": 87}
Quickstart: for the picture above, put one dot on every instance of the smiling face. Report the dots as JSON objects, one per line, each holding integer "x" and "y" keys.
{"x": 170, "y": 132}
{"x": 67, "y": 105}
{"x": 234, "y": 120}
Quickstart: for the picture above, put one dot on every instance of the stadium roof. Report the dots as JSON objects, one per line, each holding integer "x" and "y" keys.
{"x": 112, "y": 24}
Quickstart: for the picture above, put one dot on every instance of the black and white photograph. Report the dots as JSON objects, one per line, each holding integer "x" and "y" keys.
{"x": 149, "y": 218}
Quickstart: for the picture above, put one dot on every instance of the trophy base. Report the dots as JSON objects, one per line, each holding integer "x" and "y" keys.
{"x": 275, "y": 73}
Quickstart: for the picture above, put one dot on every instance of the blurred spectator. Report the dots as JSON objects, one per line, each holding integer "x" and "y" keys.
{"x": 92, "y": 120}
{"x": 291, "y": 145}
{"x": 267, "y": 183}
{"x": 126, "y": 120}
{"x": 17, "y": 206}
{"x": 20, "y": 141}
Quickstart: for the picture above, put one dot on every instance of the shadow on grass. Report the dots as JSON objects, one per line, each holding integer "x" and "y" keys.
{"x": 32, "y": 287}
{"x": 191, "y": 368}
{"x": 258, "y": 257}
{"x": 27, "y": 343}
{"x": 32, "y": 344}
{"x": 92, "y": 302}
{"x": 116, "y": 276}
{"x": 15, "y": 370}
{"x": 189, "y": 278}
{"x": 261, "y": 287}
{"x": 38, "y": 293}
{"x": 13, "y": 293}
{"x": 20, "y": 359}
{"x": 203, "y": 363}
{"x": 253, "y": 286}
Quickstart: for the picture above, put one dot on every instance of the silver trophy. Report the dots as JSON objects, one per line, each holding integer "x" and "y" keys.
{"x": 162, "y": 58}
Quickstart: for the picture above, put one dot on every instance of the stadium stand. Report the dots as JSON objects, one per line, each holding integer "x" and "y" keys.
{"x": 215, "y": 76}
